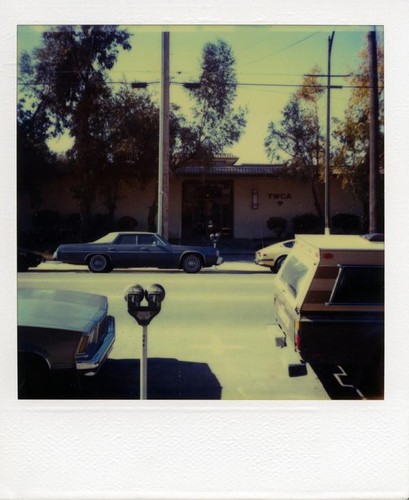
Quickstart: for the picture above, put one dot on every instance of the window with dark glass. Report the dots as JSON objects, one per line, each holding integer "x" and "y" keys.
{"x": 147, "y": 239}
{"x": 126, "y": 239}
{"x": 359, "y": 285}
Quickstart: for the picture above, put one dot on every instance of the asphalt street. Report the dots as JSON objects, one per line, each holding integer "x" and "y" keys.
{"x": 214, "y": 338}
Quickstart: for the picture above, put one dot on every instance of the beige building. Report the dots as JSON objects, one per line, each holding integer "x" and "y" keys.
{"x": 236, "y": 200}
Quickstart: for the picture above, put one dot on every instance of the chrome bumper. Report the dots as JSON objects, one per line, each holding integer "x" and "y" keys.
{"x": 219, "y": 261}
{"x": 90, "y": 365}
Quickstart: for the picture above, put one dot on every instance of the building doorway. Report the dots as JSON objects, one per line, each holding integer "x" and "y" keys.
{"x": 207, "y": 207}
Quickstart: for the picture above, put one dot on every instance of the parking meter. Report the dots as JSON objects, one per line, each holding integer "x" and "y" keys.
{"x": 155, "y": 295}
{"x": 134, "y": 296}
{"x": 143, "y": 314}
{"x": 214, "y": 238}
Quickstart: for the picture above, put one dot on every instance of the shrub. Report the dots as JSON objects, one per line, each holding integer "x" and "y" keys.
{"x": 278, "y": 225}
{"x": 346, "y": 223}
{"x": 46, "y": 230}
{"x": 73, "y": 221}
{"x": 307, "y": 224}
{"x": 46, "y": 219}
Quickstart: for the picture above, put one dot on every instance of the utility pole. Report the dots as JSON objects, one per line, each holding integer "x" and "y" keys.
{"x": 373, "y": 135}
{"x": 327, "y": 146}
{"x": 163, "y": 170}
{"x": 328, "y": 132}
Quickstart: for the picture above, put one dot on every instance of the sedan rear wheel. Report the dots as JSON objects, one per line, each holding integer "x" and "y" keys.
{"x": 99, "y": 264}
{"x": 192, "y": 263}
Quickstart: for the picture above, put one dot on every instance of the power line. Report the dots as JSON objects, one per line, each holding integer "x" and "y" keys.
{"x": 283, "y": 49}
{"x": 245, "y": 84}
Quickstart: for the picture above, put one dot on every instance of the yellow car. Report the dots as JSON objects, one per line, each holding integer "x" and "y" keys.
{"x": 274, "y": 255}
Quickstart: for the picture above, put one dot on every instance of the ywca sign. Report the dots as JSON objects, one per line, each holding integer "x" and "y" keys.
{"x": 280, "y": 197}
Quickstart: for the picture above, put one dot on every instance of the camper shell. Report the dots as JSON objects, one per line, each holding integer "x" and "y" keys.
{"x": 329, "y": 299}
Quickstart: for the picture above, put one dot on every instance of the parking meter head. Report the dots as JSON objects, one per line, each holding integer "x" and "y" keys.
{"x": 155, "y": 294}
{"x": 134, "y": 296}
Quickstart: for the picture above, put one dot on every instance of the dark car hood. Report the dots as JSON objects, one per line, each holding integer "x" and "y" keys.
{"x": 60, "y": 309}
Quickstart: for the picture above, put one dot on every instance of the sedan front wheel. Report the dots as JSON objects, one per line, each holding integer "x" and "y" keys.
{"x": 192, "y": 263}
{"x": 99, "y": 264}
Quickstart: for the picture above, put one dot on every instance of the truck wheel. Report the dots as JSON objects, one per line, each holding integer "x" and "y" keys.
{"x": 99, "y": 264}
{"x": 192, "y": 263}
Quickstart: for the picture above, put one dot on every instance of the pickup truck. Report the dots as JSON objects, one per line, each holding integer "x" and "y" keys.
{"x": 329, "y": 301}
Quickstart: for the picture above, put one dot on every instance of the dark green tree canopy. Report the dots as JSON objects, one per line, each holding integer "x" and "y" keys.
{"x": 296, "y": 141}
{"x": 216, "y": 124}
{"x": 70, "y": 68}
{"x": 65, "y": 86}
{"x": 66, "y": 79}
{"x": 351, "y": 133}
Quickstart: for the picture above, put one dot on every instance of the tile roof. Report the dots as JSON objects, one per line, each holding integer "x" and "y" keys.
{"x": 244, "y": 169}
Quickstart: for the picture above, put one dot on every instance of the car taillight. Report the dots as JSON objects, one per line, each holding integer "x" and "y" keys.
{"x": 296, "y": 334}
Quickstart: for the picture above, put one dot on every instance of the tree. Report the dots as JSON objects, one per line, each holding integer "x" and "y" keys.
{"x": 351, "y": 154}
{"x": 215, "y": 124}
{"x": 34, "y": 159}
{"x": 69, "y": 81}
{"x": 132, "y": 120}
{"x": 132, "y": 135}
{"x": 297, "y": 141}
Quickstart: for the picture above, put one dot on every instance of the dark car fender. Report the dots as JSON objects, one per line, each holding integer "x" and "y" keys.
{"x": 34, "y": 355}
{"x": 94, "y": 252}
{"x": 192, "y": 252}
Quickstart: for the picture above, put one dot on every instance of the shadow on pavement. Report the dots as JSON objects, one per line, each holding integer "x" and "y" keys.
{"x": 120, "y": 379}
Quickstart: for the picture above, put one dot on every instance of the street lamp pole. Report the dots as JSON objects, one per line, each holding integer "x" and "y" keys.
{"x": 163, "y": 168}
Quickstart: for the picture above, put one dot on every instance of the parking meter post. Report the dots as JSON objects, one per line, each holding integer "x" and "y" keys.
{"x": 143, "y": 314}
{"x": 144, "y": 364}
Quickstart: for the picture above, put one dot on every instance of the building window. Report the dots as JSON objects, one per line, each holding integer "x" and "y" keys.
{"x": 254, "y": 198}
